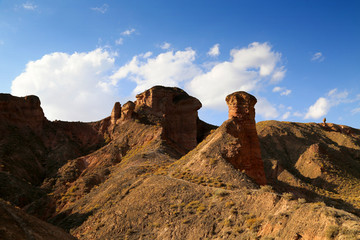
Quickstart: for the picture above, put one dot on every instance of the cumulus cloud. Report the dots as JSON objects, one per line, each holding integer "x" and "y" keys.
{"x": 317, "y": 57}
{"x": 214, "y": 51}
{"x": 323, "y": 105}
{"x": 266, "y": 109}
{"x": 71, "y": 87}
{"x": 29, "y": 6}
{"x": 283, "y": 91}
{"x": 168, "y": 69}
{"x": 101, "y": 9}
{"x": 248, "y": 69}
{"x": 78, "y": 86}
{"x": 128, "y": 32}
{"x": 320, "y": 108}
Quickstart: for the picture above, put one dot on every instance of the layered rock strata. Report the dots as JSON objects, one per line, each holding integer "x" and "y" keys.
{"x": 127, "y": 111}
{"x": 244, "y": 154}
{"x": 175, "y": 110}
{"x": 116, "y": 113}
{"x": 22, "y": 111}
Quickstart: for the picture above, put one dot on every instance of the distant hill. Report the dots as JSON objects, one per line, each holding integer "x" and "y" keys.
{"x": 154, "y": 170}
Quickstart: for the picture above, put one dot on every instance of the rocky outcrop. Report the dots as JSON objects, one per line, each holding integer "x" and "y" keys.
{"x": 127, "y": 111}
{"x": 244, "y": 153}
{"x": 22, "y": 111}
{"x": 16, "y": 224}
{"x": 175, "y": 110}
{"x": 116, "y": 113}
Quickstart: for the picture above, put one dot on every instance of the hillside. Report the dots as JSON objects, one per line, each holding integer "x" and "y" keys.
{"x": 154, "y": 170}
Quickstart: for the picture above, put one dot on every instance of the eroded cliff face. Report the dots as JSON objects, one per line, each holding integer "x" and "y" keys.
{"x": 175, "y": 110}
{"x": 244, "y": 153}
{"x": 22, "y": 111}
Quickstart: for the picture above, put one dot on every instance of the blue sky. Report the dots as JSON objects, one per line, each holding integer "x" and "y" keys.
{"x": 301, "y": 59}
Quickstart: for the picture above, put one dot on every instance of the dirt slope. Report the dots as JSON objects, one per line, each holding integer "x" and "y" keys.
{"x": 323, "y": 160}
{"x": 132, "y": 177}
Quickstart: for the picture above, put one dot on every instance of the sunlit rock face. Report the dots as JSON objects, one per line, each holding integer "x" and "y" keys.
{"x": 175, "y": 110}
{"x": 244, "y": 154}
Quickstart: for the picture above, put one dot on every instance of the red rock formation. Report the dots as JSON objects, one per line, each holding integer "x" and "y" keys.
{"x": 22, "y": 111}
{"x": 127, "y": 111}
{"x": 244, "y": 154}
{"x": 116, "y": 113}
{"x": 175, "y": 110}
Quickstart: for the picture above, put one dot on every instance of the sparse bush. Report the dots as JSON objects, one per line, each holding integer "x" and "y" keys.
{"x": 201, "y": 209}
{"x": 212, "y": 161}
{"x": 208, "y": 194}
{"x": 156, "y": 224}
{"x": 266, "y": 188}
{"x": 221, "y": 193}
{"x": 234, "y": 211}
{"x": 268, "y": 238}
{"x": 331, "y": 232}
{"x": 288, "y": 196}
{"x": 227, "y": 222}
{"x": 301, "y": 200}
{"x": 229, "y": 204}
{"x": 186, "y": 221}
{"x": 253, "y": 223}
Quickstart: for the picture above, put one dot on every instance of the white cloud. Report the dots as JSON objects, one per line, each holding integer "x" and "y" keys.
{"x": 101, "y": 9}
{"x": 128, "y": 32}
{"x": 355, "y": 111}
{"x": 165, "y": 46}
{"x": 319, "y": 109}
{"x": 169, "y": 69}
{"x": 86, "y": 82}
{"x": 323, "y": 105}
{"x": 71, "y": 87}
{"x": 298, "y": 114}
{"x": 285, "y": 115}
{"x": 147, "y": 55}
{"x": 317, "y": 57}
{"x": 214, "y": 51}
{"x": 283, "y": 91}
{"x": 248, "y": 69}
{"x": 266, "y": 109}
{"x": 119, "y": 41}
{"x": 29, "y": 6}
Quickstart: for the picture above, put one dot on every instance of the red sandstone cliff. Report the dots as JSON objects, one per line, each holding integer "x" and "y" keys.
{"x": 22, "y": 111}
{"x": 175, "y": 110}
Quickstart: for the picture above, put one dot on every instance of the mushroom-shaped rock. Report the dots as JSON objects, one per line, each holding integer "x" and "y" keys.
{"x": 241, "y": 106}
{"x": 244, "y": 154}
{"x": 175, "y": 110}
{"x": 127, "y": 111}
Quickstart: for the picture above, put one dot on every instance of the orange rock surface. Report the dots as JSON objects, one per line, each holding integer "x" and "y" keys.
{"x": 244, "y": 154}
{"x": 175, "y": 110}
